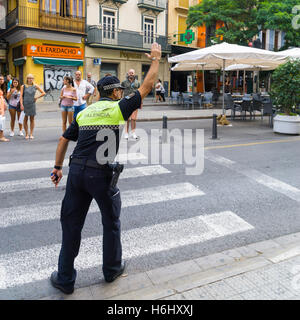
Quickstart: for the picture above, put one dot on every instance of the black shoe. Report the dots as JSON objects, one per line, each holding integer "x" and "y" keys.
{"x": 117, "y": 274}
{"x": 55, "y": 284}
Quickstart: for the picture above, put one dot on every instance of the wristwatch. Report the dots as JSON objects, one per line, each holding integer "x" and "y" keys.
{"x": 154, "y": 59}
{"x": 57, "y": 167}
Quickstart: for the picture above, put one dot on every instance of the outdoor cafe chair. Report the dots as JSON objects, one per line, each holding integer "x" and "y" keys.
{"x": 174, "y": 96}
{"x": 187, "y": 100}
{"x": 246, "y": 106}
{"x": 268, "y": 110}
{"x": 257, "y": 106}
{"x": 231, "y": 105}
{"x": 207, "y": 98}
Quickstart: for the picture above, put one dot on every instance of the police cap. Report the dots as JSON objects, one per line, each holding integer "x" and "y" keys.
{"x": 108, "y": 83}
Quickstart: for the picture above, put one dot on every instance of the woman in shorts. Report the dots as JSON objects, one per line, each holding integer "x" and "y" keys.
{"x": 13, "y": 97}
{"x": 67, "y": 97}
{"x": 3, "y": 91}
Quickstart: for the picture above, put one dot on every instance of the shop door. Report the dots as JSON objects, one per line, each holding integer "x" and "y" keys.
{"x": 109, "y": 68}
{"x": 53, "y": 80}
{"x": 145, "y": 69}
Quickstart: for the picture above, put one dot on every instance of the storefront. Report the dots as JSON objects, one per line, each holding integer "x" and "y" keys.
{"x": 100, "y": 61}
{"x": 48, "y": 62}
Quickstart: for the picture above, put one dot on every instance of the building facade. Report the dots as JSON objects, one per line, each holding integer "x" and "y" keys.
{"x": 44, "y": 38}
{"x": 119, "y": 32}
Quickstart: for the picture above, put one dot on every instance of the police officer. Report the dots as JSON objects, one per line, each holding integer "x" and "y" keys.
{"x": 90, "y": 177}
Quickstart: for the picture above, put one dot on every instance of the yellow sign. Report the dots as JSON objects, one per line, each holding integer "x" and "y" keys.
{"x": 130, "y": 55}
{"x": 54, "y": 51}
{"x": 2, "y": 54}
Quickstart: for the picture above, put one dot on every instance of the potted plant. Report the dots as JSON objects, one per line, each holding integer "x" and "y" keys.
{"x": 285, "y": 94}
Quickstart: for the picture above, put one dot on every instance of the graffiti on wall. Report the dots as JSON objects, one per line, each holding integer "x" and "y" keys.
{"x": 53, "y": 78}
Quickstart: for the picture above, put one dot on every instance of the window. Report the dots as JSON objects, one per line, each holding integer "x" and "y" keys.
{"x": 53, "y": 6}
{"x": 109, "y": 25}
{"x": 276, "y": 43}
{"x": 65, "y": 8}
{"x": 148, "y": 31}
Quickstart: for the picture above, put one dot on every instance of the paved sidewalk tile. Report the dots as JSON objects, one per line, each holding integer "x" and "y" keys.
{"x": 220, "y": 290}
{"x": 198, "y": 294}
{"x": 173, "y": 271}
{"x": 121, "y": 286}
{"x": 214, "y": 260}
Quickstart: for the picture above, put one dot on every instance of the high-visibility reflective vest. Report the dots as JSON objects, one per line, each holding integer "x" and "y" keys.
{"x": 101, "y": 113}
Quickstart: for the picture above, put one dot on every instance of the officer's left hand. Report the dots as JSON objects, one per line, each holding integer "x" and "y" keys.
{"x": 56, "y": 176}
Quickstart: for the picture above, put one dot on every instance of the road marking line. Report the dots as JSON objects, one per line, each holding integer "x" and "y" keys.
{"x": 250, "y": 144}
{"x": 36, "y": 264}
{"x": 263, "y": 179}
{"x": 32, "y": 213}
{"x": 43, "y": 183}
{"x": 22, "y": 166}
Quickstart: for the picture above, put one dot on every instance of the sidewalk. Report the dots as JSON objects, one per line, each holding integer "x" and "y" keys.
{"x": 266, "y": 270}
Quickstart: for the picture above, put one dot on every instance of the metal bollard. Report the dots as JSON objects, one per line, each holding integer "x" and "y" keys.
{"x": 214, "y": 127}
{"x": 165, "y": 129}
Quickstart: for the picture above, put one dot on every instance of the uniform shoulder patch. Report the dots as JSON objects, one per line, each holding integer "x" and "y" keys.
{"x": 130, "y": 96}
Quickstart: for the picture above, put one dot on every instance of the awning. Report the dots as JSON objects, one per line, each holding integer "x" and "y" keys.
{"x": 58, "y": 62}
{"x": 19, "y": 61}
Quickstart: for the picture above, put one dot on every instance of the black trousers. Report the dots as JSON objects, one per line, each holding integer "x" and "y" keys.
{"x": 85, "y": 184}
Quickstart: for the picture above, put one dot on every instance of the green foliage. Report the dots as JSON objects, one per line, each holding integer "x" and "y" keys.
{"x": 243, "y": 19}
{"x": 285, "y": 90}
{"x": 278, "y": 15}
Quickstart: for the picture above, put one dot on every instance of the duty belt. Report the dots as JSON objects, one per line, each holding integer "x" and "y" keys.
{"x": 90, "y": 163}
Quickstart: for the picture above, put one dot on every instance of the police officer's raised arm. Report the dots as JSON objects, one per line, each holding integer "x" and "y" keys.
{"x": 152, "y": 74}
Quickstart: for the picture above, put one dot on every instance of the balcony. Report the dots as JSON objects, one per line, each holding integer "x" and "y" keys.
{"x": 38, "y": 19}
{"x": 154, "y": 5}
{"x": 120, "y": 1}
{"x": 124, "y": 39}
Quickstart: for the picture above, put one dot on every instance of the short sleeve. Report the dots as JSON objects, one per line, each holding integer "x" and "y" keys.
{"x": 129, "y": 104}
{"x": 72, "y": 132}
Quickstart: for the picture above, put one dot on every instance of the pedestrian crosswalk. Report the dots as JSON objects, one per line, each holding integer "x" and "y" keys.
{"x": 29, "y": 266}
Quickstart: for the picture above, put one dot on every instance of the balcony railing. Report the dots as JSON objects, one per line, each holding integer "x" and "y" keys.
{"x": 35, "y": 18}
{"x": 157, "y": 5}
{"x": 124, "y": 39}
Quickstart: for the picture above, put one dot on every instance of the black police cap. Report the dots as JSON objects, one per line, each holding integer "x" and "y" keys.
{"x": 109, "y": 83}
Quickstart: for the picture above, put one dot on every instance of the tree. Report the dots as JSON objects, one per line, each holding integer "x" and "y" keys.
{"x": 286, "y": 86}
{"x": 238, "y": 17}
{"x": 279, "y": 15}
{"x": 244, "y": 19}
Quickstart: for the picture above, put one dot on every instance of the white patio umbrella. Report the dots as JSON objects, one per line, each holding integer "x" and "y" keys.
{"x": 229, "y": 54}
{"x": 291, "y": 53}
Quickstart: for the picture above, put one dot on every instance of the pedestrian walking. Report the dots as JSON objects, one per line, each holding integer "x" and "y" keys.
{"x": 28, "y": 103}
{"x": 67, "y": 97}
{"x": 13, "y": 97}
{"x": 92, "y": 176}
{"x": 84, "y": 91}
{"x": 159, "y": 91}
{"x": 131, "y": 85}
{"x": 94, "y": 84}
{"x": 3, "y": 92}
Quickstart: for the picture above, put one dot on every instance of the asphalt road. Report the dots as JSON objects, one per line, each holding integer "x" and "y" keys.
{"x": 249, "y": 191}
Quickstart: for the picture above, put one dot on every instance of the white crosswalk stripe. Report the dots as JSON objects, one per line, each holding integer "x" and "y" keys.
{"x": 33, "y": 213}
{"x": 259, "y": 177}
{"x": 37, "y": 264}
{"x": 22, "y": 166}
{"x": 42, "y": 183}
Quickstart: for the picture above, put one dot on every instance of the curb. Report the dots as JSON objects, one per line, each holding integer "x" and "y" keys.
{"x": 171, "y": 281}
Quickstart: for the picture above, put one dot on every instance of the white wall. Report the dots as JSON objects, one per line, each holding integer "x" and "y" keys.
{"x": 130, "y": 16}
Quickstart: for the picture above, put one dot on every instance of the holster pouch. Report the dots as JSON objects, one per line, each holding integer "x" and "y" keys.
{"x": 117, "y": 169}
